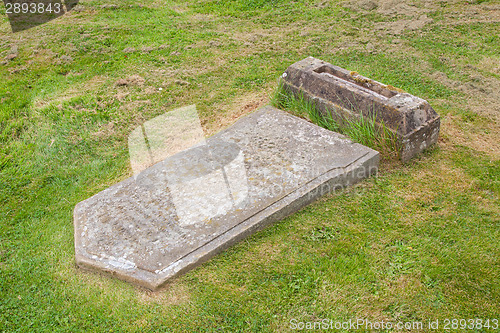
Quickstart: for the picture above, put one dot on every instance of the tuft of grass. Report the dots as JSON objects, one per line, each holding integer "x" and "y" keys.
{"x": 361, "y": 129}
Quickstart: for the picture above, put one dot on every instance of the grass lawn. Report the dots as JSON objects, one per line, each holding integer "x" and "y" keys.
{"x": 419, "y": 242}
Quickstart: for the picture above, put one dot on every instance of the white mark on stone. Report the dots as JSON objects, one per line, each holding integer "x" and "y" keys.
{"x": 122, "y": 263}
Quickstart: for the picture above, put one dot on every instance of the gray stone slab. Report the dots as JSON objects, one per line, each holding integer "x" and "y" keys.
{"x": 344, "y": 93}
{"x": 183, "y": 210}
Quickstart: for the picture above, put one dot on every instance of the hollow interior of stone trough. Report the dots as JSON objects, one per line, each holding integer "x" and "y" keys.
{"x": 356, "y": 80}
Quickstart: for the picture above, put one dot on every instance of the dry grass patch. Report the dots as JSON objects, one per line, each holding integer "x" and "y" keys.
{"x": 454, "y": 131}
{"x": 233, "y": 110}
{"x": 174, "y": 293}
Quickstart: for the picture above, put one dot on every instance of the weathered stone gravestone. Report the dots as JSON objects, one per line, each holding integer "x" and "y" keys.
{"x": 183, "y": 210}
{"x": 348, "y": 94}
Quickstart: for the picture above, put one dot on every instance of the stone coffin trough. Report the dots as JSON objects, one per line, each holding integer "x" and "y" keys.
{"x": 183, "y": 210}
{"x": 348, "y": 94}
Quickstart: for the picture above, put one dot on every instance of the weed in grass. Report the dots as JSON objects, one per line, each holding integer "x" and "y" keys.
{"x": 299, "y": 283}
{"x": 322, "y": 233}
{"x": 401, "y": 261}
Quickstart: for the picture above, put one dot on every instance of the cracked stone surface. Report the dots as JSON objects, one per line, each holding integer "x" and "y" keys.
{"x": 182, "y": 211}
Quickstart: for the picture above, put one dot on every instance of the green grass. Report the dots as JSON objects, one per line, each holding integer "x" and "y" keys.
{"x": 418, "y": 242}
{"x": 361, "y": 129}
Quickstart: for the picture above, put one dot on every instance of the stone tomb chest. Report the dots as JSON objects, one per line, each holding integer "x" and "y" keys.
{"x": 348, "y": 94}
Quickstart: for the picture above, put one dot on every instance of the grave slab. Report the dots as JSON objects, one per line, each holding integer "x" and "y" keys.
{"x": 346, "y": 94}
{"x": 185, "y": 209}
